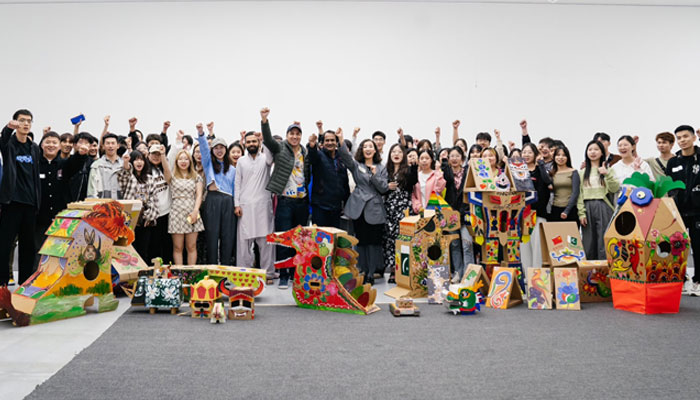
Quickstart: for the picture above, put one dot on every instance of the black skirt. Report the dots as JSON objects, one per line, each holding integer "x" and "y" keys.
{"x": 367, "y": 234}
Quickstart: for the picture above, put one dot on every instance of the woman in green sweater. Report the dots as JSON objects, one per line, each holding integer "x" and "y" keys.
{"x": 594, "y": 207}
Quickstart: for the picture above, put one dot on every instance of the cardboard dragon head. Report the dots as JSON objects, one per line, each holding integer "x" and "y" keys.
{"x": 464, "y": 300}
{"x": 647, "y": 247}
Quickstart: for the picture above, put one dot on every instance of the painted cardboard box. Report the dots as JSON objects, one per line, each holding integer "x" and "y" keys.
{"x": 325, "y": 274}
{"x": 423, "y": 243}
{"x": 593, "y": 280}
{"x": 75, "y": 263}
{"x": 561, "y": 244}
{"x": 647, "y": 246}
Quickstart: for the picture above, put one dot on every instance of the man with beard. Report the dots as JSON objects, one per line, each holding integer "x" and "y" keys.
{"x": 330, "y": 179}
{"x": 253, "y": 205}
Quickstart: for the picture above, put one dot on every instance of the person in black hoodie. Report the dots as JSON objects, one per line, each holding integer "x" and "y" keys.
{"x": 54, "y": 172}
{"x": 79, "y": 181}
{"x": 685, "y": 167}
{"x": 20, "y": 194}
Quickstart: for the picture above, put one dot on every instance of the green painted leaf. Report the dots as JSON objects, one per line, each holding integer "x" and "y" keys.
{"x": 640, "y": 180}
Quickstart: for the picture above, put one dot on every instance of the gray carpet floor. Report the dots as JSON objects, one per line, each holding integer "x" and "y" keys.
{"x": 287, "y": 352}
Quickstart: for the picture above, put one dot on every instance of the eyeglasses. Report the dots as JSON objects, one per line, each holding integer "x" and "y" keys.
{"x": 24, "y": 121}
{"x": 211, "y": 137}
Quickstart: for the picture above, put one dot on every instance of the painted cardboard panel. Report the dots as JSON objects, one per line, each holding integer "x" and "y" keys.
{"x": 520, "y": 175}
{"x": 127, "y": 263}
{"x": 624, "y": 224}
{"x": 438, "y": 281}
{"x": 69, "y": 213}
{"x": 89, "y": 245}
{"x": 503, "y": 293}
{"x": 566, "y": 290}
{"x": 645, "y": 215}
{"x": 539, "y": 288}
{"x": 594, "y": 283}
{"x": 163, "y": 293}
{"x": 62, "y": 227}
{"x": 561, "y": 243}
{"x": 627, "y": 258}
{"x": 241, "y": 304}
{"x": 239, "y": 277}
{"x": 480, "y": 176}
{"x": 55, "y": 246}
{"x": 473, "y": 275}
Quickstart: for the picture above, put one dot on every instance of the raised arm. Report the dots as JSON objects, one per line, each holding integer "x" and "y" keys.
{"x": 268, "y": 140}
{"x": 455, "y": 131}
{"x": 166, "y": 165}
{"x": 526, "y": 136}
{"x": 402, "y": 139}
{"x": 312, "y": 149}
{"x": 7, "y": 132}
{"x": 164, "y": 136}
{"x": 345, "y": 155}
{"x": 206, "y": 154}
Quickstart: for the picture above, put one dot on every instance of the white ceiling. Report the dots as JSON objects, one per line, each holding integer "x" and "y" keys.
{"x": 672, "y": 3}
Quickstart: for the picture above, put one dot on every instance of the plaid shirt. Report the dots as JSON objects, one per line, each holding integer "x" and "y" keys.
{"x": 132, "y": 189}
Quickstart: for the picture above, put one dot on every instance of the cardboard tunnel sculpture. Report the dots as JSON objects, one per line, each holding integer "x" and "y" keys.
{"x": 422, "y": 252}
{"x": 325, "y": 273}
{"x": 647, "y": 247}
{"x": 75, "y": 263}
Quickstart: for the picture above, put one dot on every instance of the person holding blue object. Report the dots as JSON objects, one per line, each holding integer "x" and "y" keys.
{"x": 220, "y": 178}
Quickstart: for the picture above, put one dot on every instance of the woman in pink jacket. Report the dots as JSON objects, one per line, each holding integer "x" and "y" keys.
{"x": 429, "y": 180}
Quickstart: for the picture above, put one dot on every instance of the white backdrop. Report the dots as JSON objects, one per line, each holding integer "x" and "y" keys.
{"x": 570, "y": 70}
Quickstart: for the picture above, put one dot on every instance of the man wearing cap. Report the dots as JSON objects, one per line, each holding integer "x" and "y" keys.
{"x": 288, "y": 181}
{"x": 103, "y": 182}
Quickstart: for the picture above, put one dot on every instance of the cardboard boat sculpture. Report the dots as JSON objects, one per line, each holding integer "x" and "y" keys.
{"x": 647, "y": 247}
{"x": 75, "y": 263}
{"x": 325, "y": 275}
{"x": 501, "y": 211}
{"x": 422, "y": 252}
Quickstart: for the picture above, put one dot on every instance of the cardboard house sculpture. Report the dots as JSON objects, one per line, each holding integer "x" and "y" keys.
{"x": 204, "y": 295}
{"x": 159, "y": 292}
{"x": 423, "y": 252}
{"x": 75, "y": 264}
{"x": 647, "y": 247}
{"x": 502, "y": 215}
{"x": 325, "y": 274}
{"x": 241, "y": 304}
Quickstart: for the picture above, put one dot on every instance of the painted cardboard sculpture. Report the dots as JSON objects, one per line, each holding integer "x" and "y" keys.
{"x": 204, "y": 295}
{"x": 500, "y": 219}
{"x": 75, "y": 264}
{"x": 647, "y": 247}
{"x": 593, "y": 280}
{"x": 504, "y": 292}
{"x": 325, "y": 273}
{"x": 422, "y": 252}
{"x": 218, "y": 314}
{"x": 475, "y": 274}
{"x": 159, "y": 292}
{"x": 404, "y": 307}
{"x": 566, "y": 288}
{"x": 226, "y": 277}
{"x": 241, "y": 304}
{"x": 464, "y": 300}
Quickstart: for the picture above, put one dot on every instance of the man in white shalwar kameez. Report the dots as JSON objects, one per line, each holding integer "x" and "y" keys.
{"x": 253, "y": 205}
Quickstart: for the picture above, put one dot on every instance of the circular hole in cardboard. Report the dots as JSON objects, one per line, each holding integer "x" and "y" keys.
{"x": 91, "y": 270}
{"x": 434, "y": 252}
{"x": 316, "y": 262}
{"x": 625, "y": 223}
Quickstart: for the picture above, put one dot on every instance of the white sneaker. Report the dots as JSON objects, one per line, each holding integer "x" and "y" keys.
{"x": 687, "y": 285}
{"x": 694, "y": 289}
{"x": 455, "y": 279}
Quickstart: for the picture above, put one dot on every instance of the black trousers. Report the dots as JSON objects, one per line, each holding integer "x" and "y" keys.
{"x": 692, "y": 222}
{"x": 322, "y": 217}
{"x": 161, "y": 243}
{"x": 290, "y": 213}
{"x": 142, "y": 241}
{"x": 17, "y": 220}
{"x": 39, "y": 239}
{"x": 220, "y": 228}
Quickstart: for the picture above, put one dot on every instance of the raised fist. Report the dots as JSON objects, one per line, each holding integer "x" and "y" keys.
{"x": 132, "y": 121}
{"x": 83, "y": 149}
{"x": 47, "y": 129}
{"x": 107, "y": 117}
{"x": 126, "y": 158}
{"x": 180, "y": 135}
{"x": 319, "y": 125}
{"x": 210, "y": 126}
{"x": 523, "y": 125}
{"x": 312, "y": 140}
{"x": 200, "y": 129}
{"x": 355, "y": 131}
{"x": 13, "y": 124}
{"x": 455, "y": 124}
{"x": 166, "y": 125}
{"x": 497, "y": 133}
{"x": 264, "y": 113}
{"x": 400, "y": 132}
{"x": 437, "y": 132}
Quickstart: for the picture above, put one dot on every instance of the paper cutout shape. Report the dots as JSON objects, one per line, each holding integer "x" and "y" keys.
{"x": 539, "y": 288}
{"x": 503, "y": 293}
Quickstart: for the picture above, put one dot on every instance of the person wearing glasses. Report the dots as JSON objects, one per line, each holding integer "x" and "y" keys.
{"x": 20, "y": 194}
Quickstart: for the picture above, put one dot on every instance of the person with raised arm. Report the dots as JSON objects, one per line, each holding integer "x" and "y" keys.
{"x": 220, "y": 183}
{"x": 253, "y": 206}
{"x": 365, "y": 206}
{"x": 20, "y": 195}
{"x": 185, "y": 222}
{"x": 103, "y": 182}
{"x": 162, "y": 243}
{"x": 531, "y": 254}
{"x": 289, "y": 181}
{"x": 330, "y": 178}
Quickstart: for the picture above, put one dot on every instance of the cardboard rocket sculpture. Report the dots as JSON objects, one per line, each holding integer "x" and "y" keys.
{"x": 647, "y": 247}
{"x": 422, "y": 252}
{"x": 501, "y": 214}
{"x": 75, "y": 264}
{"x": 325, "y": 275}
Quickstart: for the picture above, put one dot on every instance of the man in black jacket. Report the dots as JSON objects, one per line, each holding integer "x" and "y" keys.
{"x": 685, "y": 167}
{"x": 20, "y": 194}
{"x": 330, "y": 179}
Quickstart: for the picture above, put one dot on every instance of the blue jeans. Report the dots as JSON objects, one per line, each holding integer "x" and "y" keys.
{"x": 290, "y": 213}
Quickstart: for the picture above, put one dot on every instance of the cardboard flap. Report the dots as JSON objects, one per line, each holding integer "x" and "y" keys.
{"x": 397, "y": 292}
{"x": 561, "y": 243}
{"x": 475, "y": 273}
{"x": 480, "y": 176}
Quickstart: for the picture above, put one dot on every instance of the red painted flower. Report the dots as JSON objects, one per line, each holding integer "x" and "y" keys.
{"x": 678, "y": 244}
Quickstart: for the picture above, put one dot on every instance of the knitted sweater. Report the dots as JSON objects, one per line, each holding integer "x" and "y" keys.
{"x": 586, "y": 192}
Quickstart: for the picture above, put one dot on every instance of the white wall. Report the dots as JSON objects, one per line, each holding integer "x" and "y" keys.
{"x": 571, "y": 70}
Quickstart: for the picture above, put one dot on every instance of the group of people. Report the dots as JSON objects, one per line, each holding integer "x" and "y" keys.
{"x": 237, "y": 194}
